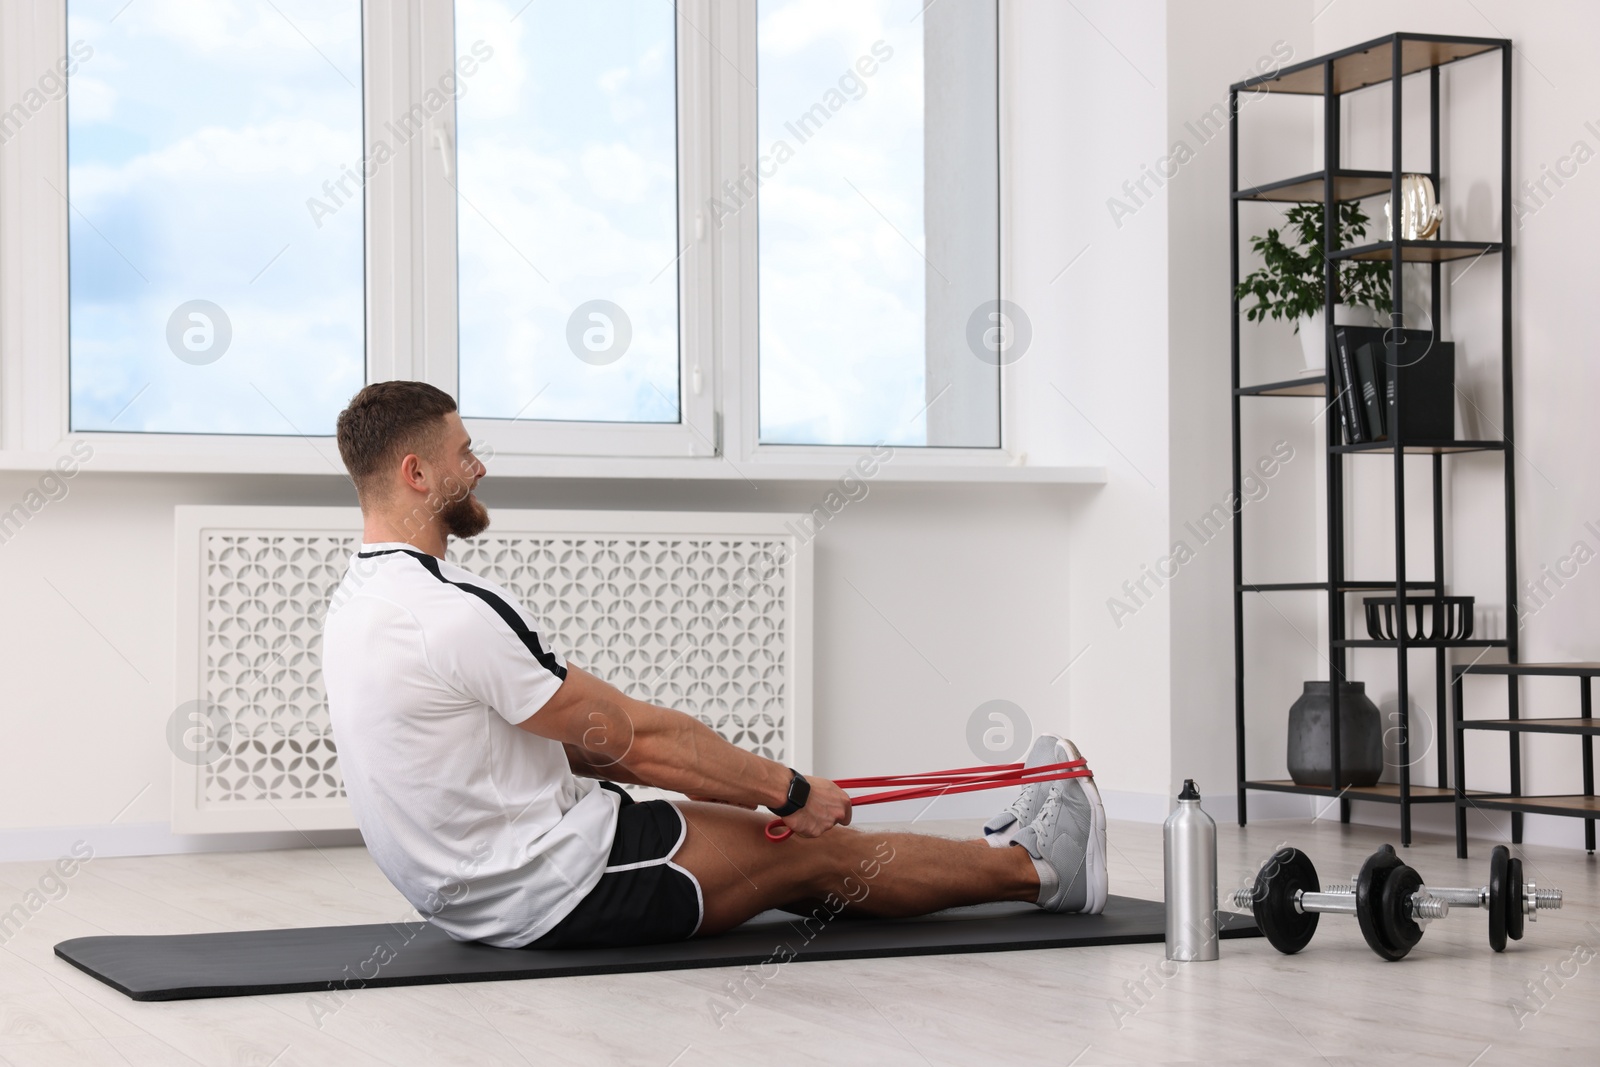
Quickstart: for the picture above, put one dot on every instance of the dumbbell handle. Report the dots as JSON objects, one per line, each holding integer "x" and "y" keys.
{"x": 1465, "y": 898}
{"x": 1333, "y": 898}
{"x": 1425, "y": 902}
{"x": 1541, "y": 899}
{"x": 1533, "y": 898}
{"x": 1325, "y": 902}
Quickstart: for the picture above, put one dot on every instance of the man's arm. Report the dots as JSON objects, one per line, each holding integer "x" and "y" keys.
{"x": 579, "y": 761}
{"x": 608, "y": 733}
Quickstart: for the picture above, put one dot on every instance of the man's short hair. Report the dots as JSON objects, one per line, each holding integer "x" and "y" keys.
{"x": 385, "y": 421}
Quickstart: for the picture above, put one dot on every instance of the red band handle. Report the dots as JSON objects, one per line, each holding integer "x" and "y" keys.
{"x": 939, "y": 783}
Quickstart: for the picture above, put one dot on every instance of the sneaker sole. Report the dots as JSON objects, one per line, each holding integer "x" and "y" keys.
{"x": 1094, "y": 855}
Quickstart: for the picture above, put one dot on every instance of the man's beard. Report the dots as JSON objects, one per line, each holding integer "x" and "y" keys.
{"x": 465, "y": 518}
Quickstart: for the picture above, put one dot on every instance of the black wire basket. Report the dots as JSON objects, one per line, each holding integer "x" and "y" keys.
{"x": 1430, "y": 618}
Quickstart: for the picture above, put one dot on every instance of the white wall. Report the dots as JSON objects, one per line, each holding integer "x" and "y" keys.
{"x": 1555, "y": 86}
{"x": 1094, "y": 114}
{"x": 976, "y": 593}
{"x": 971, "y": 579}
{"x": 1000, "y": 588}
{"x": 1211, "y": 46}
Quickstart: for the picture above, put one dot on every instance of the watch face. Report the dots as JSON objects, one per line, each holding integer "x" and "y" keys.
{"x": 799, "y": 790}
{"x": 795, "y": 799}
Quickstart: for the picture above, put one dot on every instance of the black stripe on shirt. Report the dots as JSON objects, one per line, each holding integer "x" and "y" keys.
{"x": 529, "y": 639}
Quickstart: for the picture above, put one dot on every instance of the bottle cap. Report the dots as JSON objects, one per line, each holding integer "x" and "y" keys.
{"x": 1189, "y": 791}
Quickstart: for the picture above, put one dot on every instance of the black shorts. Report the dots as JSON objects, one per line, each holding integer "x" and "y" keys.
{"x": 643, "y": 897}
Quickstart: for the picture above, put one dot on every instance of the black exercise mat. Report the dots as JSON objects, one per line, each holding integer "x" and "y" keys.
{"x": 246, "y": 963}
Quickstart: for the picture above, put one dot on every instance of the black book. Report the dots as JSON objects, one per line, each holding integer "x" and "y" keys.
{"x": 1349, "y": 397}
{"x": 1374, "y": 388}
{"x": 1413, "y": 366}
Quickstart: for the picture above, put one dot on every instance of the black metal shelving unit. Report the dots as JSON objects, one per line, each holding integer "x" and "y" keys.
{"x": 1584, "y": 726}
{"x": 1385, "y": 61}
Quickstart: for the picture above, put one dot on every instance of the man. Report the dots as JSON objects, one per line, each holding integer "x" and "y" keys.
{"x": 480, "y": 763}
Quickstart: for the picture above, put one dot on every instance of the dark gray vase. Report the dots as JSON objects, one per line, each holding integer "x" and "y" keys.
{"x": 1311, "y": 741}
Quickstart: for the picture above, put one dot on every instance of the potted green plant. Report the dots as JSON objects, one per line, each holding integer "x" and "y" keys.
{"x": 1289, "y": 282}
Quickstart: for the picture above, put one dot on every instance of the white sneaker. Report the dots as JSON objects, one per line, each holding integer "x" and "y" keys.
{"x": 1069, "y": 834}
{"x": 1003, "y": 827}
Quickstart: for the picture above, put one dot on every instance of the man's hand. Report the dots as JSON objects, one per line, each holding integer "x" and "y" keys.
{"x": 826, "y": 807}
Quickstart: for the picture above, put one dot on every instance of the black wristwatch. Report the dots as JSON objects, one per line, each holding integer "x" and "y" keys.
{"x": 799, "y": 791}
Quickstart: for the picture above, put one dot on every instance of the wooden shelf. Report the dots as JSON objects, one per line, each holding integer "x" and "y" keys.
{"x": 1383, "y": 792}
{"x": 1307, "y": 386}
{"x": 1367, "y": 642}
{"x": 1419, "y": 251}
{"x": 1577, "y": 669}
{"x": 1423, "y": 448}
{"x": 1344, "y": 587}
{"x": 1565, "y": 725}
{"x": 1371, "y": 63}
{"x": 1575, "y": 804}
{"x": 1583, "y": 727}
{"x": 1309, "y": 188}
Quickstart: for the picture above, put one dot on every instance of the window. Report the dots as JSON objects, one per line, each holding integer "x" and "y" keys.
{"x": 567, "y": 211}
{"x": 879, "y": 273}
{"x": 635, "y": 238}
{"x": 215, "y": 227}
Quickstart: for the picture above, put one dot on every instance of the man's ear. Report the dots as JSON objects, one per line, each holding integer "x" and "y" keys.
{"x": 412, "y": 474}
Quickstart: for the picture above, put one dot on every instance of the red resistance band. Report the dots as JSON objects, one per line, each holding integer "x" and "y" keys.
{"x": 938, "y": 783}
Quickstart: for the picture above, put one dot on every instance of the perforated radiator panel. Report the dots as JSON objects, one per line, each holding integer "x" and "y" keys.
{"x": 709, "y": 614}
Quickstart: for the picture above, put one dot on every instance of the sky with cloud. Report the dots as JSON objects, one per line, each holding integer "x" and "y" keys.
{"x": 567, "y": 142}
{"x": 198, "y": 132}
{"x": 841, "y": 277}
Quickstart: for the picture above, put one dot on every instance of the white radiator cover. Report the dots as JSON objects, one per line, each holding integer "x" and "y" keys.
{"x": 709, "y": 613}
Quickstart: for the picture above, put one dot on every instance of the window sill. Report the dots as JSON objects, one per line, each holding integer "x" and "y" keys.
{"x": 318, "y": 456}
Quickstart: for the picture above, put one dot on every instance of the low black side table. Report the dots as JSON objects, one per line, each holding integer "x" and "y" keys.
{"x": 1585, "y": 806}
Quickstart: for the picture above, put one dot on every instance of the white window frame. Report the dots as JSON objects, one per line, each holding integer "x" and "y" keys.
{"x": 740, "y": 254}
{"x": 411, "y": 288}
{"x": 35, "y": 398}
{"x": 695, "y": 433}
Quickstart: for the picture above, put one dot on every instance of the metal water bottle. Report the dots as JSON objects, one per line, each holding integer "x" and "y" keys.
{"x": 1190, "y": 839}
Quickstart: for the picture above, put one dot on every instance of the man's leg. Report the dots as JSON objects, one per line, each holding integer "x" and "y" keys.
{"x": 742, "y": 874}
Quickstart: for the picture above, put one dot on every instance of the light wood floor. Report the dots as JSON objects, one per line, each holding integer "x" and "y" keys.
{"x": 1449, "y": 1003}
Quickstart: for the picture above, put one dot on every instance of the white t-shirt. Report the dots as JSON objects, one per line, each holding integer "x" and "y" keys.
{"x": 480, "y": 824}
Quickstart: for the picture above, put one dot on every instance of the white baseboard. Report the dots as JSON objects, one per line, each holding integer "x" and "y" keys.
{"x": 1260, "y": 807}
{"x": 1485, "y": 827}
{"x": 154, "y": 839}
{"x": 44, "y": 844}
{"x": 1433, "y": 819}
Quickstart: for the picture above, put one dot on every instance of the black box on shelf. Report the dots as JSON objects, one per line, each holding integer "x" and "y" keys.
{"x": 1411, "y": 367}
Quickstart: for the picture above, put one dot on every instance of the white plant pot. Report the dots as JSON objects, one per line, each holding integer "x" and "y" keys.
{"x": 1313, "y": 332}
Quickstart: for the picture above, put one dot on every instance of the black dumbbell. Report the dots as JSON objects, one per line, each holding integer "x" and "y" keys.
{"x": 1508, "y": 899}
{"x": 1389, "y": 900}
